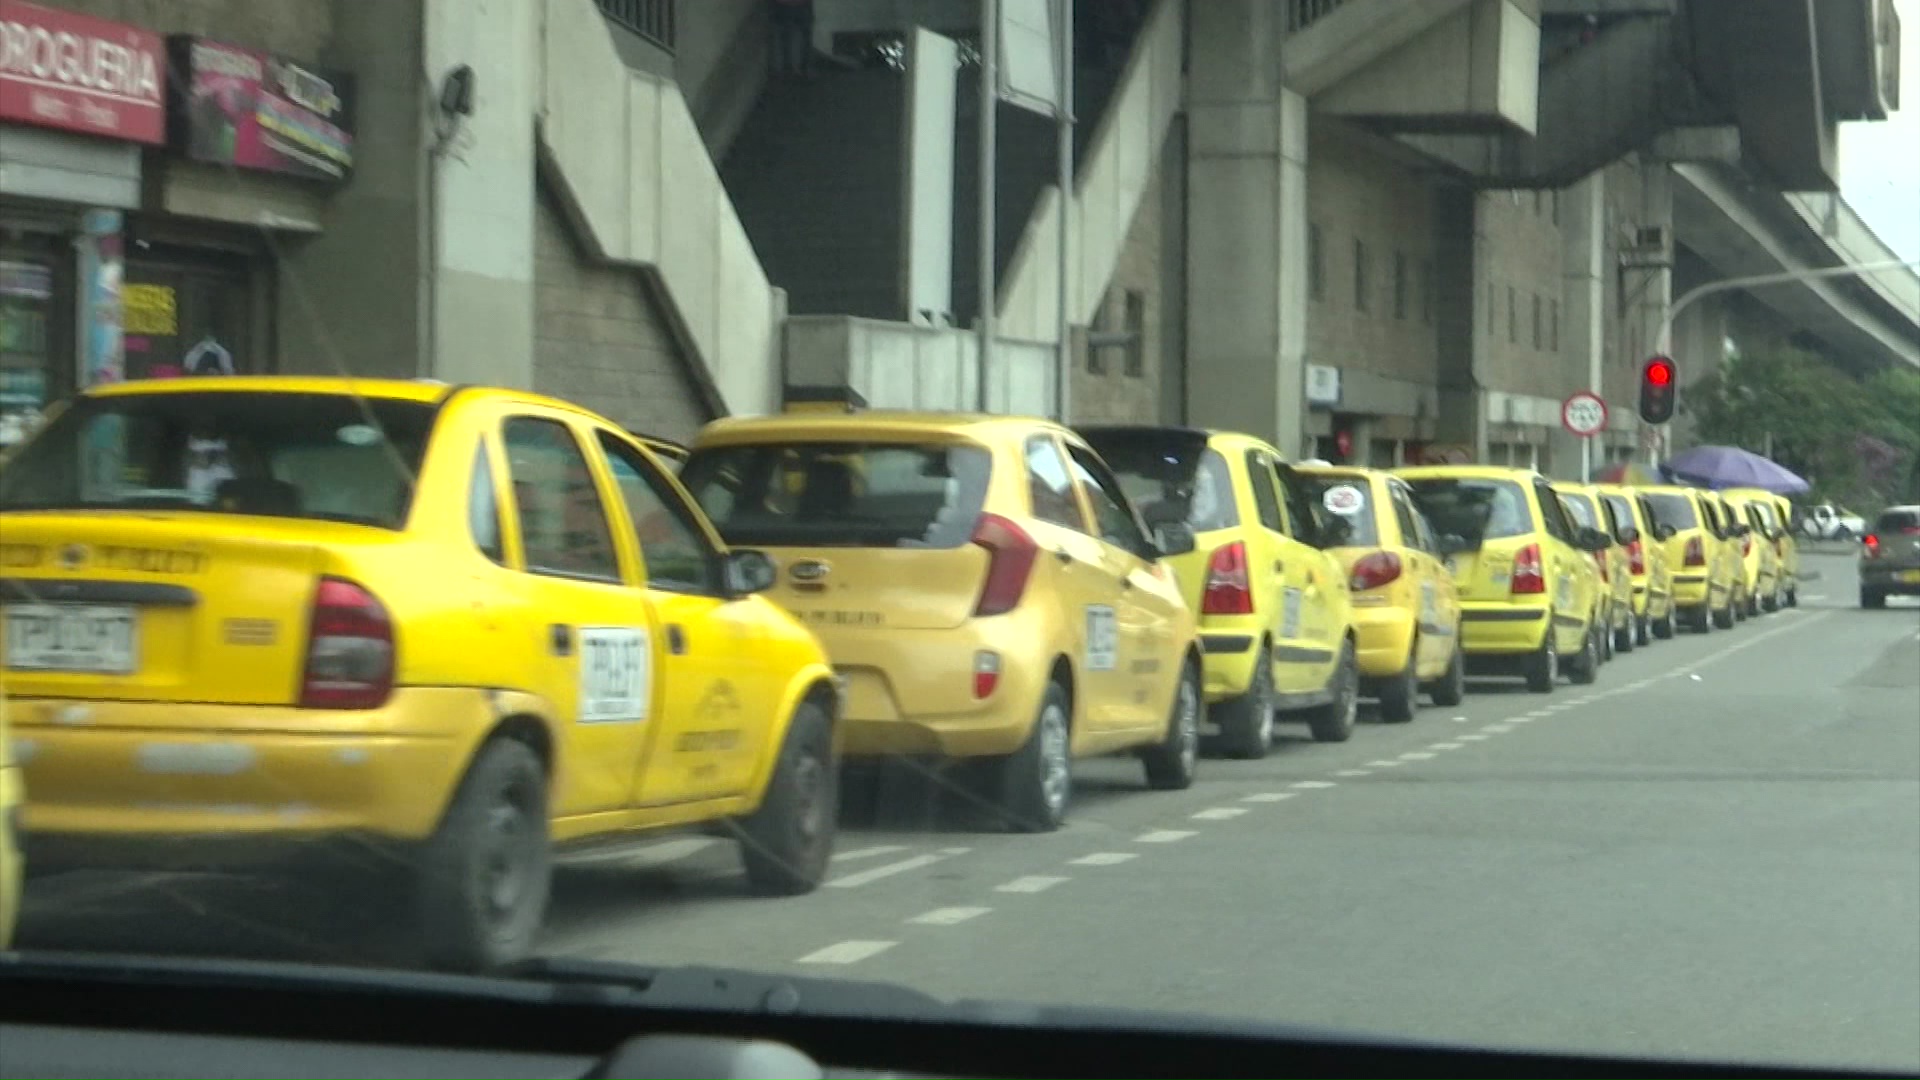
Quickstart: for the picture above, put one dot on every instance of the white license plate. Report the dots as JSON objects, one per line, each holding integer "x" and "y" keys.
{"x": 92, "y": 638}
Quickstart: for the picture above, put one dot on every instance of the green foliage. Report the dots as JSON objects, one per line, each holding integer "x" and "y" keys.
{"x": 1856, "y": 441}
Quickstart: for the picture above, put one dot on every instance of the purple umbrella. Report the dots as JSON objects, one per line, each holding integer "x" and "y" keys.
{"x": 1720, "y": 467}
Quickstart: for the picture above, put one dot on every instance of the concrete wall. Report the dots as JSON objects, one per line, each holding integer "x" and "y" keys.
{"x": 1113, "y": 393}
{"x": 600, "y": 337}
{"x": 297, "y": 28}
{"x": 1519, "y": 227}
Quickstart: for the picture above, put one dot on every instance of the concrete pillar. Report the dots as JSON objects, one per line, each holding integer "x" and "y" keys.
{"x": 1460, "y": 305}
{"x": 1583, "y": 216}
{"x": 1247, "y": 226}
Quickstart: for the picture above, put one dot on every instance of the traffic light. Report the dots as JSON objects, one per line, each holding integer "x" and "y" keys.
{"x": 1657, "y": 390}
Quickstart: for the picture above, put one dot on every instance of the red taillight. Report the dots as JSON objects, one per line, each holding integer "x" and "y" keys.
{"x": 1871, "y": 544}
{"x": 1636, "y": 559}
{"x": 1374, "y": 570}
{"x": 1529, "y": 576}
{"x": 986, "y": 674}
{"x": 1227, "y": 590}
{"x": 1600, "y": 560}
{"x": 1746, "y": 545}
{"x": 1696, "y": 552}
{"x": 349, "y": 649}
{"x": 1010, "y": 555}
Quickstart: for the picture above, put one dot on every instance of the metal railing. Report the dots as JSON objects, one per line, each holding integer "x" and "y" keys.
{"x": 1303, "y": 13}
{"x": 651, "y": 19}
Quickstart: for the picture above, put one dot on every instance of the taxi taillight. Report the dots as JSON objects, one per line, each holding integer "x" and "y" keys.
{"x": 1636, "y": 558}
{"x": 1010, "y": 555}
{"x": 1374, "y": 569}
{"x": 1696, "y": 552}
{"x": 986, "y": 673}
{"x": 1227, "y": 590}
{"x": 1529, "y": 576}
{"x": 350, "y": 649}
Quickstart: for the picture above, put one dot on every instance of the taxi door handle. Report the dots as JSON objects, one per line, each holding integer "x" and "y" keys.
{"x": 1065, "y": 556}
{"x": 1279, "y": 567}
{"x": 560, "y": 639}
{"x": 676, "y": 639}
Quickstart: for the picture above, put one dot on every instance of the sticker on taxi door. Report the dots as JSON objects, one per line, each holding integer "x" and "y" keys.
{"x": 1290, "y": 603}
{"x": 614, "y": 668}
{"x": 1103, "y": 638}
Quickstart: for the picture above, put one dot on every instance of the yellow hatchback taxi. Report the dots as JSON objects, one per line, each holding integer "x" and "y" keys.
{"x": 1406, "y": 607}
{"x": 985, "y": 590}
{"x": 1529, "y": 588}
{"x": 1275, "y": 612}
{"x": 247, "y": 614}
{"x": 1789, "y": 550}
{"x": 1589, "y": 511}
{"x": 1760, "y": 547}
{"x": 1704, "y": 565}
{"x": 1644, "y": 540}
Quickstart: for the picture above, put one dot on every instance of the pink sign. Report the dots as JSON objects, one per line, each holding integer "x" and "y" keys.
{"x": 254, "y": 110}
{"x": 78, "y": 73}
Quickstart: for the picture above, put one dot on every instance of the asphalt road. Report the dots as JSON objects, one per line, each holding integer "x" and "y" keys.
{"x": 1714, "y": 852}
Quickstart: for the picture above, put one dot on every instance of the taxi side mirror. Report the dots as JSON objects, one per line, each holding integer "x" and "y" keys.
{"x": 747, "y": 572}
{"x": 1593, "y": 540}
{"x": 1449, "y": 544}
{"x": 1173, "y": 538}
{"x": 1664, "y": 531}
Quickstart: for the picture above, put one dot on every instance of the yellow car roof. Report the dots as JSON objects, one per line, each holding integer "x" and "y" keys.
{"x": 895, "y": 424}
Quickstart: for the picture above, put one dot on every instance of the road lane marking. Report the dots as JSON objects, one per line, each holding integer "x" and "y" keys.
{"x": 1496, "y": 729}
{"x": 948, "y": 916}
{"x": 1418, "y": 755}
{"x": 1163, "y": 836}
{"x": 1268, "y": 796}
{"x": 1385, "y": 764}
{"x": 1220, "y": 813}
{"x": 887, "y": 870}
{"x": 1458, "y": 719}
{"x": 848, "y": 952}
{"x": 1314, "y": 785}
{"x": 1032, "y": 883}
{"x": 1475, "y": 737}
{"x": 1518, "y": 720}
{"x": 868, "y": 852}
{"x": 1104, "y": 858}
{"x": 1539, "y": 714}
{"x": 1354, "y": 772}
{"x": 1445, "y": 746}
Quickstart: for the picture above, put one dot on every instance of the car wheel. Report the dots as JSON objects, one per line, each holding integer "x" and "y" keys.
{"x": 1643, "y": 631}
{"x": 1036, "y": 781}
{"x": 1333, "y": 722}
{"x": 1585, "y": 668}
{"x": 1793, "y": 595}
{"x": 486, "y": 873}
{"x": 1400, "y": 694}
{"x": 786, "y": 845}
{"x": 1451, "y": 690}
{"x": 1664, "y": 629}
{"x": 1725, "y": 617}
{"x": 1172, "y": 762}
{"x": 1604, "y": 634}
{"x": 1627, "y": 638}
{"x": 1246, "y": 722}
{"x": 1874, "y": 599}
{"x": 1543, "y": 667}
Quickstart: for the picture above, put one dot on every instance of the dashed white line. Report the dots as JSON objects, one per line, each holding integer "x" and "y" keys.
{"x": 1539, "y": 714}
{"x": 1220, "y": 813}
{"x": 848, "y": 952}
{"x": 1475, "y": 737}
{"x": 867, "y": 852}
{"x": 1418, "y": 755}
{"x": 1032, "y": 883}
{"x": 948, "y": 916}
{"x": 864, "y": 877}
{"x": 1164, "y": 836}
{"x": 1445, "y": 746}
{"x": 1354, "y": 772}
{"x": 1458, "y": 719}
{"x": 1314, "y": 785}
{"x": 1385, "y": 764}
{"x": 1104, "y": 858}
{"x": 1268, "y": 796}
{"x": 1518, "y": 720}
{"x": 1496, "y": 729}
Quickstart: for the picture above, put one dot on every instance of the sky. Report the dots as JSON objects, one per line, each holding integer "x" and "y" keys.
{"x": 1880, "y": 162}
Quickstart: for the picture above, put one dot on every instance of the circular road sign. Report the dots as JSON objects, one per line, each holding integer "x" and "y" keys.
{"x": 1584, "y": 414}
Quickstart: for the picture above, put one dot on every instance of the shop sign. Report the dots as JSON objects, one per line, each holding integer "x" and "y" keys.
{"x": 1323, "y": 385}
{"x": 254, "y": 110}
{"x": 74, "y": 72}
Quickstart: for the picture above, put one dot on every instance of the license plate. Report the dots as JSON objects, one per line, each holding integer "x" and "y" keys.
{"x": 1910, "y": 577}
{"x": 92, "y": 638}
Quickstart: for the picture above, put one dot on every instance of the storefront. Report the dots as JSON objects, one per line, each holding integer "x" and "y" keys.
{"x": 145, "y": 185}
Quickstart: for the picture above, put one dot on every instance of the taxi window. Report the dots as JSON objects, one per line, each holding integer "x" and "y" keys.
{"x": 1347, "y": 509}
{"x": 1553, "y": 511}
{"x": 1409, "y": 530}
{"x": 563, "y": 526}
{"x": 841, "y": 494}
{"x": 1306, "y": 522}
{"x": 1110, "y": 510}
{"x": 1674, "y": 510}
{"x": 483, "y": 509}
{"x": 1050, "y": 487}
{"x": 1265, "y": 502}
{"x": 1475, "y": 509}
{"x": 1621, "y": 512}
{"x": 678, "y": 557}
{"x": 1158, "y": 474}
{"x": 1581, "y": 508}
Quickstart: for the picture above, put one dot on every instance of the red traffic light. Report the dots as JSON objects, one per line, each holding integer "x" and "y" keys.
{"x": 1660, "y": 371}
{"x": 1657, "y": 390}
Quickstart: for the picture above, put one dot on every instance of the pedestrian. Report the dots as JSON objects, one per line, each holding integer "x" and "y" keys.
{"x": 791, "y": 22}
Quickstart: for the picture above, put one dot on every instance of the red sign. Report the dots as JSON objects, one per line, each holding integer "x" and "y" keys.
{"x": 79, "y": 73}
{"x": 255, "y": 110}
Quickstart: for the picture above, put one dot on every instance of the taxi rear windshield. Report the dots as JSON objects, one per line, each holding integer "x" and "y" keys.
{"x": 1159, "y": 476}
{"x": 323, "y": 457}
{"x": 1674, "y": 510}
{"x": 1583, "y": 513}
{"x": 1622, "y": 513}
{"x": 1353, "y": 525}
{"x": 841, "y": 494}
{"x": 1898, "y": 521}
{"x": 1473, "y": 508}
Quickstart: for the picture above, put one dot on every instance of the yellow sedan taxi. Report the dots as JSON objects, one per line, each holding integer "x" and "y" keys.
{"x": 244, "y": 615}
{"x": 986, "y": 592}
{"x": 1275, "y": 610}
{"x": 1529, "y": 588}
{"x": 1406, "y": 607}
{"x": 1644, "y": 540}
{"x": 1704, "y": 565}
{"x": 1589, "y": 511}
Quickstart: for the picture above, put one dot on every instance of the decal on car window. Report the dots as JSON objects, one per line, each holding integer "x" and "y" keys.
{"x": 1344, "y": 499}
{"x": 615, "y": 665}
{"x": 1103, "y": 638}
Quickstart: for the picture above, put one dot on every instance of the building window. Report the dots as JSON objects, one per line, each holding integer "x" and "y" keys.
{"x": 651, "y": 19}
{"x": 1316, "y": 263}
{"x": 1553, "y": 325}
{"x": 1399, "y": 284}
{"x": 1493, "y": 308}
{"x": 1539, "y": 328}
{"x": 1513, "y": 314}
{"x": 1136, "y": 332}
{"x": 1426, "y": 291}
{"x": 1360, "y": 275}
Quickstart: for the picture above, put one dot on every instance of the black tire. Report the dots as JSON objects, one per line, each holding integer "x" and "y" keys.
{"x": 787, "y": 844}
{"x": 1793, "y": 595}
{"x": 1604, "y": 634}
{"x": 486, "y": 873}
{"x": 1034, "y": 784}
{"x": 1584, "y": 669}
{"x": 1451, "y": 690}
{"x": 1643, "y": 631}
{"x": 1627, "y": 638}
{"x": 1172, "y": 762}
{"x": 1333, "y": 722}
{"x": 1246, "y": 722}
{"x": 1725, "y": 617}
{"x": 1664, "y": 629}
{"x": 1543, "y": 667}
{"x": 1400, "y": 694}
{"x": 1872, "y": 599}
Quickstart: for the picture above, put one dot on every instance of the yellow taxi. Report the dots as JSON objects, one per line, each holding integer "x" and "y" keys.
{"x": 1616, "y": 578}
{"x": 13, "y": 799}
{"x": 1749, "y": 563}
{"x": 1789, "y": 550}
{"x": 1275, "y": 609}
{"x": 1760, "y": 547}
{"x": 1406, "y": 607}
{"x": 986, "y": 592}
{"x": 1529, "y": 588}
{"x": 247, "y": 614}
{"x": 1705, "y": 566}
{"x": 1647, "y": 564}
